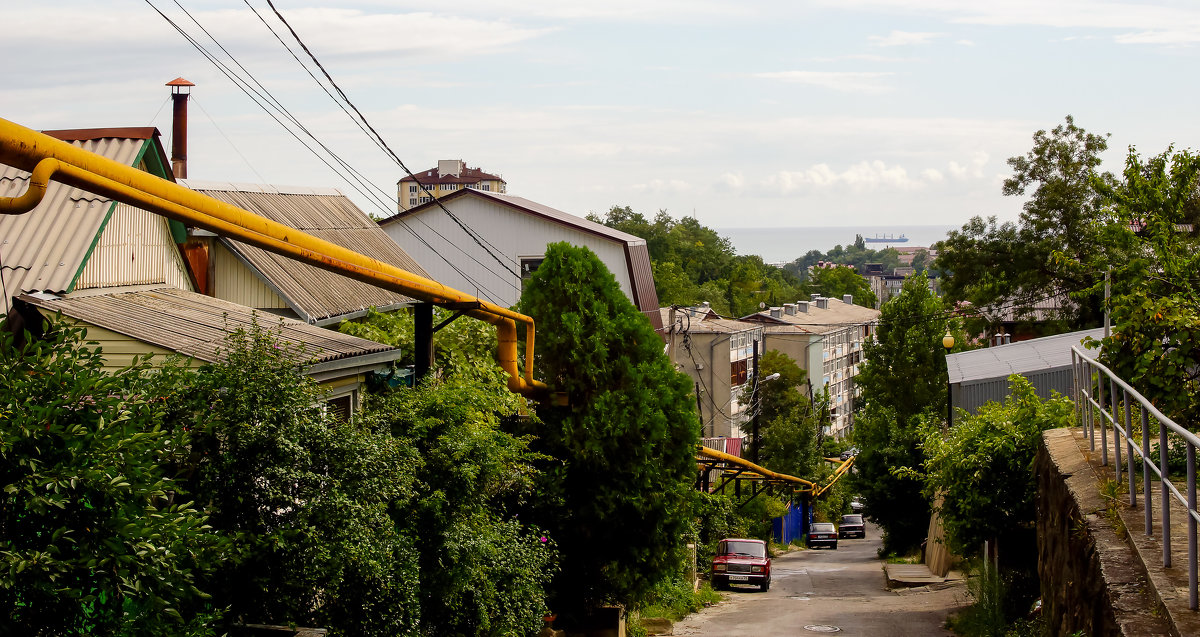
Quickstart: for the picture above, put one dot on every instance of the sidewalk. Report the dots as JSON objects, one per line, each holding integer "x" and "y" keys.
{"x": 910, "y": 575}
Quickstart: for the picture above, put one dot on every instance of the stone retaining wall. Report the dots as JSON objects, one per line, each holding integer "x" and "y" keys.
{"x": 1091, "y": 579}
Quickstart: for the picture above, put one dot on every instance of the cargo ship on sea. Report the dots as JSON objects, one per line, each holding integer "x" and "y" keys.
{"x": 886, "y": 238}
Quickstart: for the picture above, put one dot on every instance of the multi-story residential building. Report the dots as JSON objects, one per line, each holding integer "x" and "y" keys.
{"x": 718, "y": 354}
{"x": 825, "y": 337}
{"x": 451, "y": 175}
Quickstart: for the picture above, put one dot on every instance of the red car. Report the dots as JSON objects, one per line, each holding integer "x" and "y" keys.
{"x": 741, "y": 561}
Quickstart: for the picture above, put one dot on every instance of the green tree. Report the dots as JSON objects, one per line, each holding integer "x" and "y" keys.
{"x": 481, "y": 570}
{"x": 95, "y": 536}
{"x": 788, "y": 424}
{"x": 615, "y": 496}
{"x": 1056, "y": 248}
{"x": 839, "y": 281}
{"x": 902, "y": 378}
{"x": 307, "y": 497}
{"x": 983, "y": 466}
{"x": 1155, "y": 341}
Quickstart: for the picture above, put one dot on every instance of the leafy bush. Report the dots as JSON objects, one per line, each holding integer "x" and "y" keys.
{"x": 482, "y": 571}
{"x": 306, "y": 497}
{"x": 984, "y": 466}
{"x": 95, "y": 536}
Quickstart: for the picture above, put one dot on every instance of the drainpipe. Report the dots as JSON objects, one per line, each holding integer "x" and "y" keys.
{"x": 48, "y": 158}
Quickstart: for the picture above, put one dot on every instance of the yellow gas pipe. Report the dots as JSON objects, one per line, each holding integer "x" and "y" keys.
{"x": 48, "y": 158}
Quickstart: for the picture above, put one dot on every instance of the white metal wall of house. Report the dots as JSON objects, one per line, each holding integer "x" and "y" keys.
{"x": 515, "y": 233}
{"x": 135, "y": 248}
{"x": 234, "y": 282}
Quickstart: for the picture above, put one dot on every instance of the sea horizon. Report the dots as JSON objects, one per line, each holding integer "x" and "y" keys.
{"x": 786, "y": 244}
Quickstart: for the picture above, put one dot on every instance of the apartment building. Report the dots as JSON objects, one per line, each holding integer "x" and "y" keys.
{"x": 824, "y": 336}
{"x": 451, "y": 175}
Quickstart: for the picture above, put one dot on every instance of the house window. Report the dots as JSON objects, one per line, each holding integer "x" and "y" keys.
{"x": 529, "y": 265}
{"x": 412, "y": 201}
{"x": 485, "y": 187}
{"x": 738, "y": 372}
{"x": 414, "y": 189}
{"x": 339, "y": 407}
{"x": 425, "y": 199}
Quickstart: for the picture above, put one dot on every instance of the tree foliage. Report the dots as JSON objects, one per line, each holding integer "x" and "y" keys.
{"x": 983, "y": 466}
{"x": 903, "y": 381}
{"x": 615, "y": 496}
{"x": 96, "y": 538}
{"x": 305, "y": 496}
{"x": 857, "y": 255}
{"x": 1056, "y": 248}
{"x": 694, "y": 264}
{"x": 788, "y": 424}
{"x": 1155, "y": 341}
{"x": 482, "y": 571}
{"x": 839, "y": 281}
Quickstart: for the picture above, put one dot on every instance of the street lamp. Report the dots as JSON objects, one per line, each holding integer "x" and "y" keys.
{"x": 948, "y": 343}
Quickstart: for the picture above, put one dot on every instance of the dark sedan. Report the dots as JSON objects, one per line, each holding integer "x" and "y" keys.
{"x": 852, "y": 526}
{"x": 822, "y": 534}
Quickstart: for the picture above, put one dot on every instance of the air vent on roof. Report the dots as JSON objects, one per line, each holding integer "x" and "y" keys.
{"x": 814, "y": 296}
{"x": 848, "y": 299}
{"x": 789, "y": 309}
{"x": 776, "y": 312}
{"x": 802, "y": 306}
{"x": 823, "y": 303}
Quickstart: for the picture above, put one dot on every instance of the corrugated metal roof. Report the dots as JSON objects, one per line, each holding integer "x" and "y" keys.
{"x": 196, "y": 325}
{"x": 707, "y": 322}
{"x": 317, "y": 295}
{"x": 641, "y": 276}
{"x": 1023, "y": 357}
{"x": 45, "y": 248}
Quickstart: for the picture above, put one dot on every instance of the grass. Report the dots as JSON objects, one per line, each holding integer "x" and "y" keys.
{"x": 671, "y": 600}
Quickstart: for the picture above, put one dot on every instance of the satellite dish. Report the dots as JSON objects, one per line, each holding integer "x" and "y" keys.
{"x": 761, "y": 305}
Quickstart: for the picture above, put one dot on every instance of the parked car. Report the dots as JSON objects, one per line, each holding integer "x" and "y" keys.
{"x": 822, "y": 534}
{"x": 856, "y": 506}
{"x": 852, "y": 526}
{"x": 741, "y": 561}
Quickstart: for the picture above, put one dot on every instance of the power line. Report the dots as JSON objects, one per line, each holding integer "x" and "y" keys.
{"x": 356, "y": 180}
{"x": 387, "y": 148}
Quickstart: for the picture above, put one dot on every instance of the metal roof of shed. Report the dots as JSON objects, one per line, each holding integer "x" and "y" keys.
{"x": 196, "y": 325}
{"x": 318, "y": 296}
{"x": 1022, "y": 357}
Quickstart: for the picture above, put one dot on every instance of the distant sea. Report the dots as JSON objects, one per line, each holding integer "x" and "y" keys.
{"x": 784, "y": 245}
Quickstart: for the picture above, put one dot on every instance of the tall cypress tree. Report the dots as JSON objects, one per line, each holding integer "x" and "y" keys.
{"x": 615, "y": 496}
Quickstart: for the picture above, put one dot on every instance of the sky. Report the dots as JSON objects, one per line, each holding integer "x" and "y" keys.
{"x": 760, "y": 114}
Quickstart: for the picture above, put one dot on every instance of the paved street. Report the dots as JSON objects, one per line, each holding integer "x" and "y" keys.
{"x": 815, "y": 591}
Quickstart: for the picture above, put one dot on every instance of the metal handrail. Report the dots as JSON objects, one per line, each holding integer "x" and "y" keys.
{"x": 1093, "y": 405}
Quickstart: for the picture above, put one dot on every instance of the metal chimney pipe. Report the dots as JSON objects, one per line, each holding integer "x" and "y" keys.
{"x": 181, "y": 89}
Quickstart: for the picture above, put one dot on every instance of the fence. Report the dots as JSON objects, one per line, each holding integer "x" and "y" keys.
{"x": 1096, "y": 405}
{"x": 791, "y": 525}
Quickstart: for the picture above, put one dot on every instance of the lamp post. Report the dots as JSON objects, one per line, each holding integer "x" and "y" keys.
{"x": 948, "y": 343}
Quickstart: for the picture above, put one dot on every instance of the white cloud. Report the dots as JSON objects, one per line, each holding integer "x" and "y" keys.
{"x": 903, "y": 38}
{"x": 663, "y": 186}
{"x": 850, "y": 82}
{"x": 863, "y": 176}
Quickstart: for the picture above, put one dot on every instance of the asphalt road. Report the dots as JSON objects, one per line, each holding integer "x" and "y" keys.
{"x": 817, "y": 591}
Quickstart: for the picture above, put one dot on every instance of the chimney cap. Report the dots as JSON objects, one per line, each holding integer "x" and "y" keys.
{"x": 179, "y": 81}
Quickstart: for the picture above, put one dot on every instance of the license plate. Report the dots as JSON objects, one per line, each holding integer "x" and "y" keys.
{"x": 739, "y": 578}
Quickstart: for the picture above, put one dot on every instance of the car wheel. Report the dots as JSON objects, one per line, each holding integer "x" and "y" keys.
{"x": 765, "y": 586}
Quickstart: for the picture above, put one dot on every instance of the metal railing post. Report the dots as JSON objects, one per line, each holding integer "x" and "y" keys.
{"x": 1129, "y": 451}
{"x": 1146, "y": 493}
{"x": 1191, "y": 497}
{"x": 1103, "y": 428}
{"x": 1164, "y": 477}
